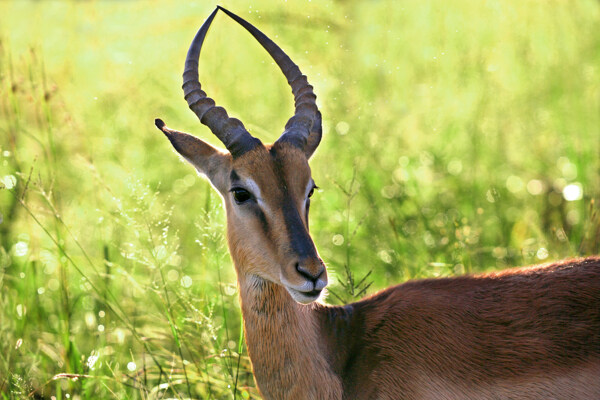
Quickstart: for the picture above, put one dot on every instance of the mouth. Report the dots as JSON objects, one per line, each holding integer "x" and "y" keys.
{"x": 304, "y": 297}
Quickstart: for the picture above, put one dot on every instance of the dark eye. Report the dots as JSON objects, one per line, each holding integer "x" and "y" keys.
{"x": 312, "y": 191}
{"x": 241, "y": 195}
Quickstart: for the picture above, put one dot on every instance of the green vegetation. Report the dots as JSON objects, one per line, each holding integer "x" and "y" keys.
{"x": 460, "y": 136}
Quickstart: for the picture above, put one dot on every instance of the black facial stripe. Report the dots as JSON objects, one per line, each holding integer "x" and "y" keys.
{"x": 233, "y": 176}
{"x": 298, "y": 236}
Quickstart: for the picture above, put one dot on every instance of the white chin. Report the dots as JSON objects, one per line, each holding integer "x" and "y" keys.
{"x": 303, "y": 297}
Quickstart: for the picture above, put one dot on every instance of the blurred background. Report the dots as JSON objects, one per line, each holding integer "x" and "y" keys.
{"x": 459, "y": 137}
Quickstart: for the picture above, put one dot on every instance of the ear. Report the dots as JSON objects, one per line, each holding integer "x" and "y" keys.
{"x": 215, "y": 164}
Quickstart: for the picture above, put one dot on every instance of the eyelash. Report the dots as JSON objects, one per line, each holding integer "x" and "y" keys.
{"x": 241, "y": 195}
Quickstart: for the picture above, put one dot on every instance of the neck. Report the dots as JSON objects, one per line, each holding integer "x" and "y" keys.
{"x": 285, "y": 343}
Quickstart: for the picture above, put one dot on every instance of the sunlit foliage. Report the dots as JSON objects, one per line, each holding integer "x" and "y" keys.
{"x": 460, "y": 136}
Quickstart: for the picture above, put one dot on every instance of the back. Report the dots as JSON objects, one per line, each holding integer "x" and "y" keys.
{"x": 527, "y": 333}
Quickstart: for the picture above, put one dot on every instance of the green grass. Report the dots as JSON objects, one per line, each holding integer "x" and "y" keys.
{"x": 451, "y": 132}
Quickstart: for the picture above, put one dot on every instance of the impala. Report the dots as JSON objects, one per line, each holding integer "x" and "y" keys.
{"x": 527, "y": 333}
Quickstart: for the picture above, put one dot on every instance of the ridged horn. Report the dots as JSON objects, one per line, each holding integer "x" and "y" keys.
{"x": 230, "y": 131}
{"x": 304, "y": 129}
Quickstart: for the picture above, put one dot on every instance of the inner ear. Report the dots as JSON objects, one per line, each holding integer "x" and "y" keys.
{"x": 210, "y": 161}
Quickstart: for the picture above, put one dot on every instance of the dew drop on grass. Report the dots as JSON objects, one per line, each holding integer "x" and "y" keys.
{"x": 53, "y": 284}
{"x": 342, "y": 128}
{"x": 400, "y": 175}
{"x": 21, "y": 249}
{"x": 514, "y": 184}
{"x": 455, "y": 167}
{"x": 173, "y": 275}
{"x": 9, "y": 181}
{"x": 160, "y": 252}
{"x": 91, "y": 361}
{"x": 186, "y": 281}
{"x": 90, "y": 319}
{"x": 229, "y": 290}
{"x": 385, "y": 256}
{"x": 535, "y": 187}
{"x": 174, "y": 260}
{"x": 572, "y": 192}
{"x": 189, "y": 179}
{"x": 338, "y": 239}
{"x": 120, "y": 335}
{"x": 21, "y": 310}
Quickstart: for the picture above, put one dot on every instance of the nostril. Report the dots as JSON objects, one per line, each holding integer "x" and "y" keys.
{"x": 307, "y": 274}
{"x": 303, "y": 272}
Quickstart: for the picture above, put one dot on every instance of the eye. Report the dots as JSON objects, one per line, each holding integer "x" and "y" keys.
{"x": 312, "y": 191}
{"x": 241, "y": 195}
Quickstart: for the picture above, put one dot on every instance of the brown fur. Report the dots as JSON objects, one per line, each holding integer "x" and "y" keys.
{"x": 529, "y": 333}
{"x": 526, "y": 333}
{"x": 519, "y": 334}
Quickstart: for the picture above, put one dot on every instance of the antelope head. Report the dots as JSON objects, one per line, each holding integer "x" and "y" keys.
{"x": 266, "y": 188}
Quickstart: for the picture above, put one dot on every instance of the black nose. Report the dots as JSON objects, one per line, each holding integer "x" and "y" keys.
{"x": 312, "y": 274}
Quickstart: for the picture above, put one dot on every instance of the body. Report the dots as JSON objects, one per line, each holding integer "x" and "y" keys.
{"x": 529, "y": 333}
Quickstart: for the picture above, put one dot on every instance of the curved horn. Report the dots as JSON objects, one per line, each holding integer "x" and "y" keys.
{"x": 230, "y": 131}
{"x": 304, "y": 129}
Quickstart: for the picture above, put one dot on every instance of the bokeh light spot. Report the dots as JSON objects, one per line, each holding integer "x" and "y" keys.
{"x": 186, "y": 281}
{"x": 535, "y": 187}
{"x": 338, "y": 239}
{"x": 573, "y": 192}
